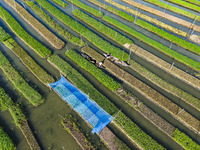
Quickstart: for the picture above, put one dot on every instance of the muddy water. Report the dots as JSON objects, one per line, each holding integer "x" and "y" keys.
{"x": 45, "y": 120}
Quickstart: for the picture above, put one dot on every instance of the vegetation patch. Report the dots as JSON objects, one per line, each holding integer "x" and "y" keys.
{"x": 73, "y": 39}
{"x": 5, "y": 141}
{"x": 164, "y": 49}
{"x": 147, "y": 18}
{"x": 113, "y": 10}
{"x": 185, "y": 4}
{"x": 131, "y": 129}
{"x": 94, "y": 70}
{"x": 20, "y": 32}
{"x": 174, "y": 9}
{"x": 100, "y": 27}
{"x": 83, "y": 31}
{"x": 61, "y": 3}
{"x": 172, "y": 38}
{"x": 87, "y": 8}
{"x": 193, "y": 2}
{"x": 18, "y": 82}
{"x": 185, "y": 141}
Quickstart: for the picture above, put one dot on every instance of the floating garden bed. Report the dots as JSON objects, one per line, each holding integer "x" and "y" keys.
{"x": 147, "y": 18}
{"x": 173, "y": 9}
{"x": 19, "y": 83}
{"x": 41, "y": 74}
{"x": 5, "y": 141}
{"x": 185, "y": 4}
{"x": 162, "y": 14}
{"x": 61, "y": 3}
{"x": 22, "y": 34}
{"x": 164, "y": 49}
{"x": 36, "y": 25}
{"x": 100, "y": 27}
{"x": 145, "y": 141}
{"x": 87, "y": 8}
{"x": 70, "y": 124}
{"x": 113, "y": 10}
{"x": 73, "y": 39}
{"x": 178, "y": 41}
{"x": 83, "y": 31}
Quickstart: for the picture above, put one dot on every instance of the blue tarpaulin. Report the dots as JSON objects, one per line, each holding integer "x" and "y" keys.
{"x": 80, "y": 102}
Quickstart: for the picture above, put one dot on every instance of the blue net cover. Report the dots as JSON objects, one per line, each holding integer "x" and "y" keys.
{"x": 80, "y": 102}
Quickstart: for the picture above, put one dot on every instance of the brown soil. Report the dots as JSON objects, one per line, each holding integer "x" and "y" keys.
{"x": 40, "y": 28}
{"x": 195, "y": 38}
{"x": 77, "y": 135}
{"x": 29, "y": 136}
{"x": 163, "y": 15}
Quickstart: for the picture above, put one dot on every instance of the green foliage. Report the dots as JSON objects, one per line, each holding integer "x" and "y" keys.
{"x": 100, "y": 27}
{"x": 83, "y": 31}
{"x": 3, "y": 35}
{"x": 85, "y": 86}
{"x": 113, "y": 10}
{"x": 87, "y": 8}
{"x": 185, "y": 4}
{"x": 197, "y": 2}
{"x": 122, "y": 120}
{"x": 136, "y": 133}
{"x": 168, "y": 36}
{"x": 73, "y": 39}
{"x": 5, "y": 141}
{"x": 173, "y": 8}
{"x": 17, "y": 114}
{"x": 19, "y": 31}
{"x": 188, "y": 61}
{"x": 94, "y": 70}
{"x": 18, "y": 82}
{"x": 5, "y": 100}
{"x": 185, "y": 141}
{"x": 61, "y": 3}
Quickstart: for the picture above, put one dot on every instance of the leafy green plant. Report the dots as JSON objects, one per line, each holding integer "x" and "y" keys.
{"x": 5, "y": 100}
{"x": 100, "y": 27}
{"x": 193, "y": 2}
{"x": 185, "y": 141}
{"x": 73, "y": 39}
{"x": 113, "y": 10}
{"x": 3, "y": 35}
{"x": 94, "y": 70}
{"x": 83, "y": 31}
{"x": 61, "y": 3}
{"x": 5, "y": 141}
{"x": 19, "y": 31}
{"x": 182, "y": 43}
{"x": 18, "y": 82}
{"x": 87, "y": 8}
{"x": 179, "y": 57}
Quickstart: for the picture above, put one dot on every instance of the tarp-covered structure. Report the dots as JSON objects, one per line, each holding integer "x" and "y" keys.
{"x": 80, "y": 102}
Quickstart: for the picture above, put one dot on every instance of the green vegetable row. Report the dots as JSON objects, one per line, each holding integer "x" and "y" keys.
{"x": 83, "y": 31}
{"x": 173, "y": 9}
{"x": 4, "y": 35}
{"x": 185, "y": 4}
{"x": 101, "y": 27}
{"x": 19, "y": 31}
{"x": 94, "y": 70}
{"x": 61, "y": 3}
{"x": 113, "y": 10}
{"x": 5, "y": 141}
{"x": 181, "y": 58}
{"x": 185, "y": 141}
{"x": 197, "y": 2}
{"x": 172, "y": 38}
{"x": 144, "y": 140}
{"x": 73, "y": 39}
{"x": 18, "y": 82}
{"x": 87, "y": 8}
